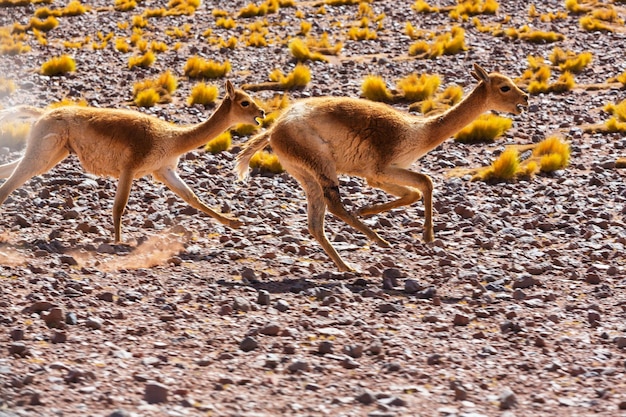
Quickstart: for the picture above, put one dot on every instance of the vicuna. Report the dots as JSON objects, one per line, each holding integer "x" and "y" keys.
{"x": 122, "y": 144}
{"x": 316, "y": 139}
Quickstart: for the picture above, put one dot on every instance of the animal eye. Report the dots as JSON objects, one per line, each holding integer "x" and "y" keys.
{"x": 245, "y": 103}
{"x": 505, "y": 88}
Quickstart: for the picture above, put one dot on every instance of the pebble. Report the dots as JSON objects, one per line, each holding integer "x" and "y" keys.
{"x": 299, "y": 365}
{"x": 17, "y": 334}
{"x": 263, "y": 298}
{"x": 325, "y": 347}
{"x": 248, "y": 343}
{"x": 58, "y": 337}
{"x": 389, "y": 307}
{"x": 54, "y": 318}
{"x": 155, "y": 393}
{"x": 282, "y": 306}
{"x": 241, "y": 304}
{"x": 507, "y": 399}
{"x": 366, "y": 397}
{"x": 461, "y": 319}
{"x": 94, "y": 323}
{"x": 271, "y": 329}
{"x": 18, "y": 349}
{"x": 621, "y": 342}
{"x": 411, "y": 286}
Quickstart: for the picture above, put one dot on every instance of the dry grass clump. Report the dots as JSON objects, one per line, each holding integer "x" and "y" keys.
{"x": 204, "y": 94}
{"x": 537, "y": 77}
{"x": 374, "y": 88}
{"x": 266, "y": 162}
{"x": 568, "y": 61}
{"x": 124, "y": 5}
{"x": 197, "y": 67}
{"x": 552, "y": 154}
{"x": 444, "y": 100}
{"x": 301, "y": 51}
{"x": 449, "y": 43}
{"x": 58, "y": 66}
{"x": 601, "y": 19}
{"x": 73, "y": 8}
{"x": 220, "y": 143}
{"x": 144, "y": 61}
{"x": 323, "y": 45}
{"x": 486, "y": 128}
{"x": 418, "y": 88}
{"x": 421, "y": 6}
{"x": 12, "y": 44}
{"x": 617, "y": 121}
{"x": 298, "y": 78}
{"x": 466, "y": 8}
{"x": 147, "y": 93}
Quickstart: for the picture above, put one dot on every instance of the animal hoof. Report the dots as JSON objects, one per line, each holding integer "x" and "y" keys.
{"x": 234, "y": 223}
{"x": 382, "y": 242}
{"x": 429, "y": 236}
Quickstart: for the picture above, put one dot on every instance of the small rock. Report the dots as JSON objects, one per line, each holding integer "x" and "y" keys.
{"x": 71, "y": 319}
{"x": 94, "y": 323}
{"x": 248, "y": 343}
{"x": 411, "y": 286}
{"x": 507, "y": 399}
{"x": 282, "y": 306}
{"x": 389, "y": 307}
{"x": 525, "y": 281}
{"x": 155, "y": 393}
{"x": 225, "y": 310}
{"x": 58, "y": 337}
{"x": 17, "y": 334}
{"x": 241, "y": 304}
{"x": 271, "y": 329}
{"x": 350, "y": 363}
{"x": 18, "y": 349}
{"x": 263, "y": 298}
{"x": 354, "y": 351}
{"x": 325, "y": 347}
{"x": 622, "y": 405}
{"x": 461, "y": 319}
{"x": 366, "y": 397}
{"x": 120, "y": 413}
{"x": 298, "y": 365}
{"x": 106, "y": 296}
{"x": 54, "y": 319}
{"x": 621, "y": 342}
{"x": 434, "y": 359}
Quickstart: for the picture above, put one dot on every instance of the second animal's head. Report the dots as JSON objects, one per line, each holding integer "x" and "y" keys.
{"x": 503, "y": 94}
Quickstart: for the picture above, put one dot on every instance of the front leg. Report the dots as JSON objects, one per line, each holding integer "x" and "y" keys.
{"x": 407, "y": 196}
{"x": 170, "y": 178}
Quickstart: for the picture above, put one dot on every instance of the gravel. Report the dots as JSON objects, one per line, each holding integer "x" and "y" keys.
{"x": 516, "y": 308}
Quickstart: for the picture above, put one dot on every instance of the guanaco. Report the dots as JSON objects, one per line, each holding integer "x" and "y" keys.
{"x": 318, "y": 138}
{"x": 123, "y": 144}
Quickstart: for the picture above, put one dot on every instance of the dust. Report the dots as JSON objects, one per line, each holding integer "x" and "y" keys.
{"x": 156, "y": 250}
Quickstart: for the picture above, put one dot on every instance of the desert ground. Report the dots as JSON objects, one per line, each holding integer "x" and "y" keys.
{"x": 517, "y": 308}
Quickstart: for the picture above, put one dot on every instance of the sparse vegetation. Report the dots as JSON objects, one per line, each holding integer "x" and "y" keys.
{"x": 219, "y": 144}
{"x": 266, "y": 162}
{"x": 197, "y": 67}
{"x": 59, "y": 65}
{"x": 374, "y": 88}
{"x": 486, "y": 128}
{"x": 204, "y": 94}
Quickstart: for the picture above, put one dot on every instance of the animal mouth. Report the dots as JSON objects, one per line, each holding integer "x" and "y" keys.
{"x": 521, "y": 107}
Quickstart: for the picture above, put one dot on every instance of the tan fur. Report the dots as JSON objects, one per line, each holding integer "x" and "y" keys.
{"x": 316, "y": 139}
{"x": 122, "y": 144}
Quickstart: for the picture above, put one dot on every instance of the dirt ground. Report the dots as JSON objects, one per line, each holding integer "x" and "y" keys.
{"x": 517, "y": 308}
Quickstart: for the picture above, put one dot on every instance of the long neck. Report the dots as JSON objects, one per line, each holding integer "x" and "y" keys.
{"x": 442, "y": 126}
{"x": 192, "y": 137}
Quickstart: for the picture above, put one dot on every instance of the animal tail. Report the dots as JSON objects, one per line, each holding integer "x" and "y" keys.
{"x": 20, "y": 112}
{"x": 242, "y": 162}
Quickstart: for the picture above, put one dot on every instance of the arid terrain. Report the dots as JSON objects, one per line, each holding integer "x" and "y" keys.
{"x": 517, "y": 308}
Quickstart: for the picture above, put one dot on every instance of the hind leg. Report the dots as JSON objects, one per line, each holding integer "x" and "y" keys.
{"x": 407, "y": 196}
{"x": 40, "y": 157}
{"x": 315, "y": 212}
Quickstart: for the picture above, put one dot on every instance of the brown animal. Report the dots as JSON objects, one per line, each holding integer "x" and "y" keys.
{"x": 122, "y": 144}
{"x": 316, "y": 139}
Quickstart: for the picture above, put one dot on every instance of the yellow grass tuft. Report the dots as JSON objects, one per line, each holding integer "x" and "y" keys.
{"x": 420, "y": 6}
{"x": 374, "y": 88}
{"x": 266, "y": 162}
{"x": 197, "y": 67}
{"x": 59, "y": 66}
{"x": 486, "y": 128}
{"x": 449, "y": 43}
{"x": 147, "y": 98}
{"x": 301, "y": 51}
{"x": 617, "y": 110}
{"x": 204, "y": 94}
{"x": 220, "y": 143}
{"x": 298, "y": 78}
{"x": 124, "y": 5}
{"x": 420, "y": 88}
{"x": 504, "y": 168}
{"x": 143, "y": 61}
{"x": 226, "y": 23}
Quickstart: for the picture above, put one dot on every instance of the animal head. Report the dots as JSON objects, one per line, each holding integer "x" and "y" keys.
{"x": 243, "y": 108}
{"x": 502, "y": 93}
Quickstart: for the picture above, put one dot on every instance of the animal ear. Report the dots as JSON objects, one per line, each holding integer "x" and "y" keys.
{"x": 230, "y": 89}
{"x": 479, "y": 73}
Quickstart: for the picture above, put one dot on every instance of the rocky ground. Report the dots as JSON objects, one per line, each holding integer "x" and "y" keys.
{"x": 517, "y": 308}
